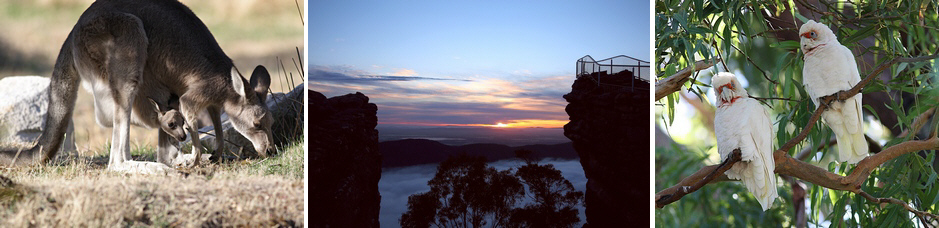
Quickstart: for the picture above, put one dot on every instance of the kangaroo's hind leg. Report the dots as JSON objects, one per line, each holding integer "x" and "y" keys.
{"x": 111, "y": 53}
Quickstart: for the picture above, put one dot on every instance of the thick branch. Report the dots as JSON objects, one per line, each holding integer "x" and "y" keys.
{"x": 696, "y": 181}
{"x": 787, "y": 165}
{"x": 867, "y": 165}
{"x": 673, "y": 83}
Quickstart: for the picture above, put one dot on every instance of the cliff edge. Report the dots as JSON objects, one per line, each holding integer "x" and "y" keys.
{"x": 610, "y": 130}
{"x": 345, "y": 164}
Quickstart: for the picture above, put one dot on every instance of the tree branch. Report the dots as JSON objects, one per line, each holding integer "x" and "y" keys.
{"x": 684, "y": 187}
{"x": 868, "y": 164}
{"x": 673, "y": 83}
{"x": 917, "y": 123}
{"x": 798, "y": 201}
{"x": 787, "y": 165}
{"x": 921, "y": 214}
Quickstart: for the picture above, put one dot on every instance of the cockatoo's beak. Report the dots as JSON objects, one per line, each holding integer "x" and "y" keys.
{"x": 726, "y": 94}
{"x": 806, "y": 49}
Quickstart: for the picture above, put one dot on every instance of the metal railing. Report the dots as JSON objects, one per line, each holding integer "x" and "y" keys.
{"x": 587, "y": 65}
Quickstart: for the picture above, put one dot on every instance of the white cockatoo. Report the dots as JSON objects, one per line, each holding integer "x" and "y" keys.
{"x": 829, "y": 68}
{"x": 742, "y": 122}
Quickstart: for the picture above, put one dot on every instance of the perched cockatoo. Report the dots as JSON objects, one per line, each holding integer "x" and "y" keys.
{"x": 829, "y": 68}
{"x": 742, "y": 122}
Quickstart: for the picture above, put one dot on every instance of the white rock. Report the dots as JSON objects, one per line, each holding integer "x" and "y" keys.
{"x": 24, "y": 101}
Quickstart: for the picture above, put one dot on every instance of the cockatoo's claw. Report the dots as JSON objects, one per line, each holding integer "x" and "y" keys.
{"x": 827, "y": 100}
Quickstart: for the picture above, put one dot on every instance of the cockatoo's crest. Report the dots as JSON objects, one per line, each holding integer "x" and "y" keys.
{"x": 727, "y": 88}
{"x": 814, "y": 35}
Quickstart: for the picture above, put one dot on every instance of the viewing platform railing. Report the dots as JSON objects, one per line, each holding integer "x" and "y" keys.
{"x": 587, "y": 65}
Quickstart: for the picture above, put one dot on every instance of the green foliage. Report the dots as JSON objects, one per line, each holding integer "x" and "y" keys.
{"x": 466, "y": 192}
{"x": 718, "y": 204}
{"x": 744, "y": 34}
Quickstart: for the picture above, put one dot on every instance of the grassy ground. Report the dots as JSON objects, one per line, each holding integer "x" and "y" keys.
{"x": 78, "y": 192}
{"x": 251, "y": 32}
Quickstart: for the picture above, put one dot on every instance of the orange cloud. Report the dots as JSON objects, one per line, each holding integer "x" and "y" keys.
{"x": 530, "y": 123}
{"x": 534, "y": 123}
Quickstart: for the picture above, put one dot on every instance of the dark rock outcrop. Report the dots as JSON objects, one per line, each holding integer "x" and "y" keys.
{"x": 345, "y": 164}
{"x": 610, "y": 130}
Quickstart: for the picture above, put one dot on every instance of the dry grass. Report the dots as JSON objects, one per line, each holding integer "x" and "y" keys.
{"x": 78, "y": 192}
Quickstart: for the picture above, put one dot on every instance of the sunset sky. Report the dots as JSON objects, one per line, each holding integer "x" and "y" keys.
{"x": 467, "y": 63}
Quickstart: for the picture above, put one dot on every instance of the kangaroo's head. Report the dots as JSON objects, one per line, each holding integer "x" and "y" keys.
{"x": 171, "y": 121}
{"x": 248, "y": 112}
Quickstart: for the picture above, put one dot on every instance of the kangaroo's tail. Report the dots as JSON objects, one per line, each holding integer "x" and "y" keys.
{"x": 63, "y": 89}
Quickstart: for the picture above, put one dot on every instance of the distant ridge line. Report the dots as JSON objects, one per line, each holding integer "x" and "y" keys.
{"x": 409, "y": 152}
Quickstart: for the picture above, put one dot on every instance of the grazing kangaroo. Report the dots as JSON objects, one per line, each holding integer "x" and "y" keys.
{"x": 124, "y": 52}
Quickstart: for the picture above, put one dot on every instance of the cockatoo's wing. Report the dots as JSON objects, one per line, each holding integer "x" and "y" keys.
{"x": 747, "y": 125}
{"x": 846, "y": 119}
{"x": 726, "y": 129}
{"x": 762, "y": 165}
{"x": 854, "y": 76}
{"x": 826, "y": 72}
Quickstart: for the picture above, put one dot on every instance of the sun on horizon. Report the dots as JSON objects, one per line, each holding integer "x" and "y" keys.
{"x": 530, "y": 124}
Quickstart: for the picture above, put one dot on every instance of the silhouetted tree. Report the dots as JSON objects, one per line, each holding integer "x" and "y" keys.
{"x": 466, "y": 192}
{"x": 555, "y": 198}
{"x": 526, "y": 155}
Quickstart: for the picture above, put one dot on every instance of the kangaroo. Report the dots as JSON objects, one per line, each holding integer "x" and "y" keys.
{"x": 124, "y": 52}
{"x": 173, "y": 124}
{"x": 171, "y": 120}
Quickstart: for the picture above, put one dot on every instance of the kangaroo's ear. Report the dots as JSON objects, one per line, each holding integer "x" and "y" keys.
{"x": 260, "y": 82}
{"x": 155, "y": 106}
{"x": 238, "y": 82}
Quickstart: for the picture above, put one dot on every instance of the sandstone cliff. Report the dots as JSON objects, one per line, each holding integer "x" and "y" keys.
{"x": 345, "y": 164}
{"x": 610, "y": 130}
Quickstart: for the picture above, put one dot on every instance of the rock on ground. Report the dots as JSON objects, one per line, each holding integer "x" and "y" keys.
{"x": 24, "y": 102}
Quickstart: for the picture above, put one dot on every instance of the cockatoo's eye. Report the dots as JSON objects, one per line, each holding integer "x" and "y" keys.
{"x": 808, "y": 35}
